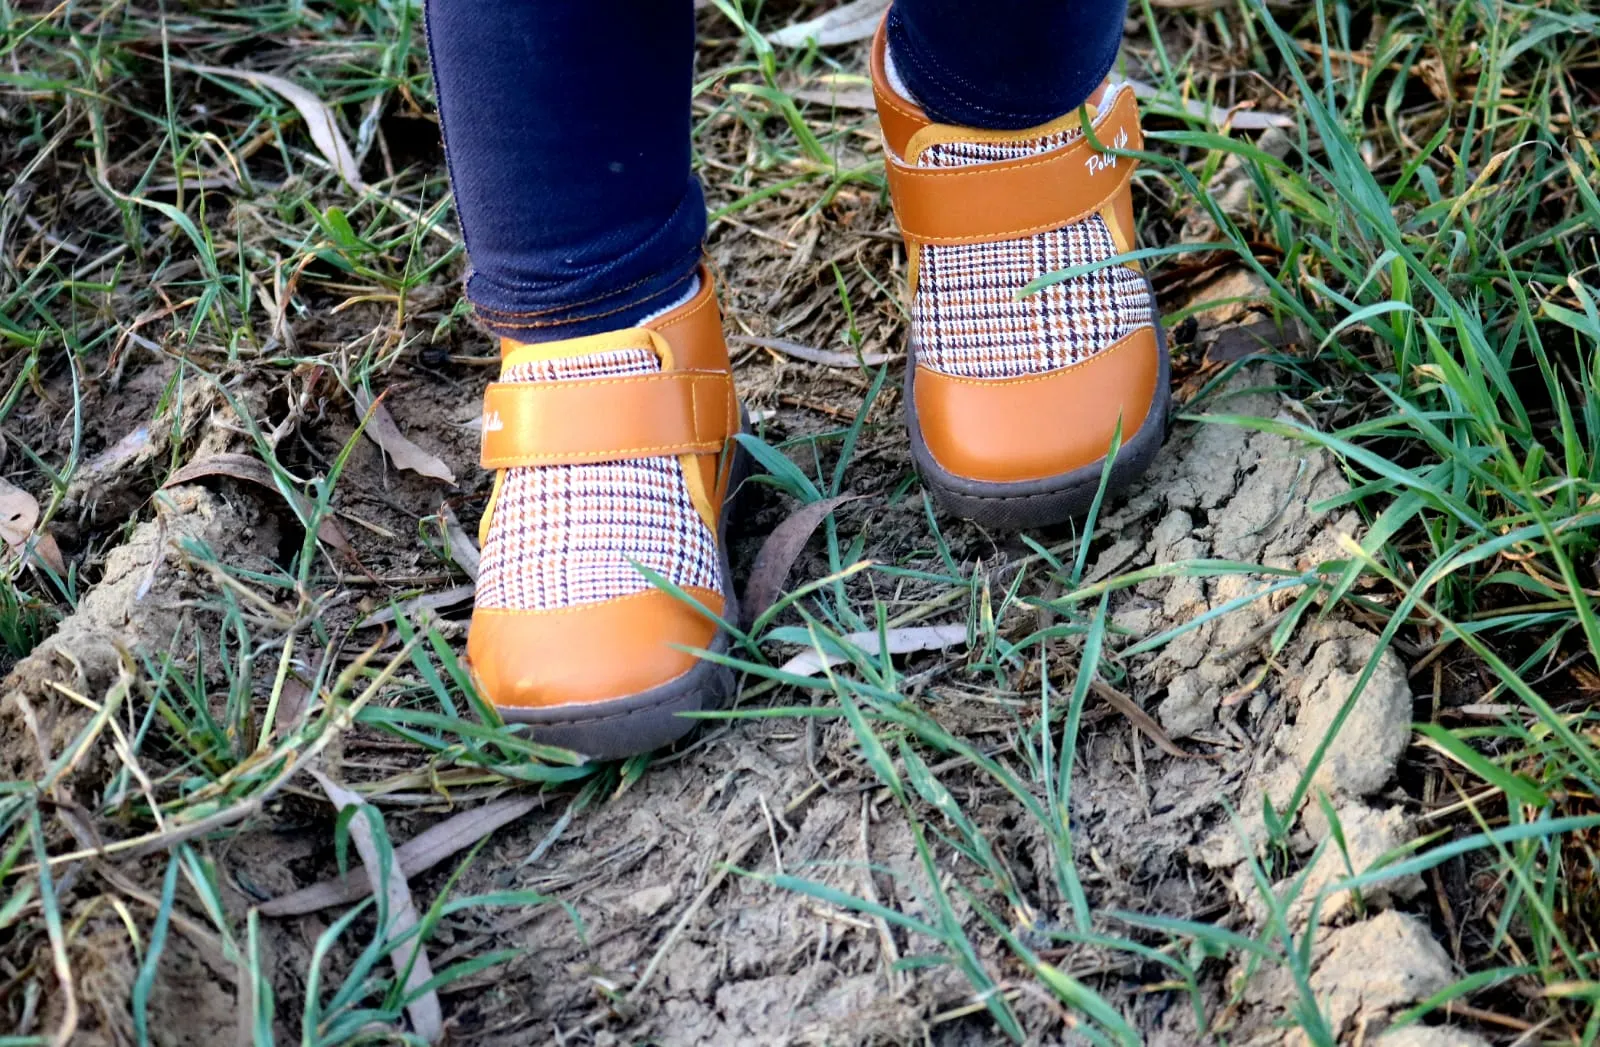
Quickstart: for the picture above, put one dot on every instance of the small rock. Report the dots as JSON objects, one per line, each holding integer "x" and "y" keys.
{"x": 1430, "y": 1036}
{"x": 648, "y": 901}
{"x": 1369, "y": 834}
{"x": 1362, "y": 757}
{"x": 1376, "y": 966}
{"x": 1188, "y": 708}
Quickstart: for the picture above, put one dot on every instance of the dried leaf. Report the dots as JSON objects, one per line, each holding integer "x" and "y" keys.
{"x": 294, "y": 699}
{"x": 427, "y": 849}
{"x": 845, "y": 24}
{"x": 1237, "y": 118}
{"x": 120, "y": 453}
{"x": 47, "y": 552}
{"x": 857, "y": 98}
{"x": 1141, "y": 719}
{"x": 463, "y": 550}
{"x": 779, "y": 552}
{"x": 432, "y": 601}
{"x": 19, "y": 515}
{"x": 901, "y": 641}
{"x": 1238, "y": 341}
{"x": 319, "y": 118}
{"x": 255, "y": 471}
{"x": 382, "y": 431}
{"x": 826, "y": 357}
{"x": 426, "y": 1017}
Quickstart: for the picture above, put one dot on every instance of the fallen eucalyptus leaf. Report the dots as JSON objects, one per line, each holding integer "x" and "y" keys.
{"x": 1141, "y": 719}
{"x": 19, "y": 515}
{"x": 47, "y": 552}
{"x": 779, "y": 552}
{"x": 421, "y": 853}
{"x": 463, "y": 550}
{"x": 411, "y": 955}
{"x": 844, "y": 24}
{"x": 125, "y": 450}
{"x": 319, "y": 118}
{"x": 432, "y": 601}
{"x": 857, "y": 98}
{"x": 1236, "y": 118}
{"x": 255, "y": 471}
{"x": 901, "y": 641}
{"x": 382, "y": 431}
{"x": 826, "y": 357}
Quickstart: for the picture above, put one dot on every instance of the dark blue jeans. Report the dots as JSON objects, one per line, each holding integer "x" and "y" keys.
{"x": 566, "y": 126}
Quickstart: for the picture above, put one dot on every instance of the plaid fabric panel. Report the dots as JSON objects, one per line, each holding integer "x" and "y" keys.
{"x": 564, "y": 535}
{"x": 966, "y": 318}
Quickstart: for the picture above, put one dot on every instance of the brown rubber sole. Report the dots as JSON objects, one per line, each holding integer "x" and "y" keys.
{"x": 1054, "y": 499}
{"x": 650, "y": 720}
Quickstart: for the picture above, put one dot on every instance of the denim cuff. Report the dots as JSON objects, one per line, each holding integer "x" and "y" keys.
{"x": 964, "y": 89}
{"x": 569, "y": 315}
{"x": 541, "y": 296}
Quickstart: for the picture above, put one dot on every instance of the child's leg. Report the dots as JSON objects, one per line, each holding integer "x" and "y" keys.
{"x": 567, "y": 127}
{"x": 1015, "y": 399}
{"x": 1004, "y": 64}
{"x": 566, "y": 124}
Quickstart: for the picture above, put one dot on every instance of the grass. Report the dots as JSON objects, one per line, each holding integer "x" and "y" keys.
{"x": 1428, "y": 238}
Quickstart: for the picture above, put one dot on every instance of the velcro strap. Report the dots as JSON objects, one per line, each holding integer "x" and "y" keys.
{"x": 1011, "y": 199}
{"x": 607, "y": 419}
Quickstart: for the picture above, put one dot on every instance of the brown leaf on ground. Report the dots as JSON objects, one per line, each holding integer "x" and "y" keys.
{"x": 1141, "y": 719}
{"x": 427, "y": 849}
{"x": 839, "y": 97}
{"x": 1237, "y": 118}
{"x": 47, "y": 552}
{"x": 453, "y": 597}
{"x": 826, "y": 357}
{"x": 463, "y": 550}
{"x": 779, "y": 552}
{"x": 382, "y": 431}
{"x": 19, "y": 520}
{"x": 255, "y": 471}
{"x": 1242, "y": 340}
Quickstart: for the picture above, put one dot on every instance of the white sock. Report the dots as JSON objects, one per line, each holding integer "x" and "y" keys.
{"x": 683, "y": 299}
{"x": 892, "y": 72}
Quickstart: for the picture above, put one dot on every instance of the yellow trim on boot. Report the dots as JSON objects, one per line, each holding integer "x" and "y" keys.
{"x": 488, "y": 510}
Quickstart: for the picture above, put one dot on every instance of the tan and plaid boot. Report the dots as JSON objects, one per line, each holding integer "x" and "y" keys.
{"x": 612, "y": 451}
{"x": 1013, "y": 401}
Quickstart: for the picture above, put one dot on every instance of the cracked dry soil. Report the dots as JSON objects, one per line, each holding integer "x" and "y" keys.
{"x": 734, "y": 960}
{"x": 671, "y": 948}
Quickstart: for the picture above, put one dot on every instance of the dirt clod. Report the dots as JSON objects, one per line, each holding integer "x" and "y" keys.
{"x": 1431, "y": 1036}
{"x": 136, "y": 605}
{"x": 1362, "y": 757}
{"x": 1361, "y": 975}
{"x": 1378, "y": 965}
{"x": 1368, "y": 834}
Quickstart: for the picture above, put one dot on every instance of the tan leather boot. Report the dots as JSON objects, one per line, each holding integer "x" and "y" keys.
{"x": 611, "y": 450}
{"x": 1013, "y": 401}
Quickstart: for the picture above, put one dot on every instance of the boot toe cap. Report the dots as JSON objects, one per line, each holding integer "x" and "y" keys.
{"x": 587, "y": 654}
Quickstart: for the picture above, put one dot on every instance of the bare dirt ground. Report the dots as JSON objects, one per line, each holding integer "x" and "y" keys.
{"x": 666, "y": 939}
